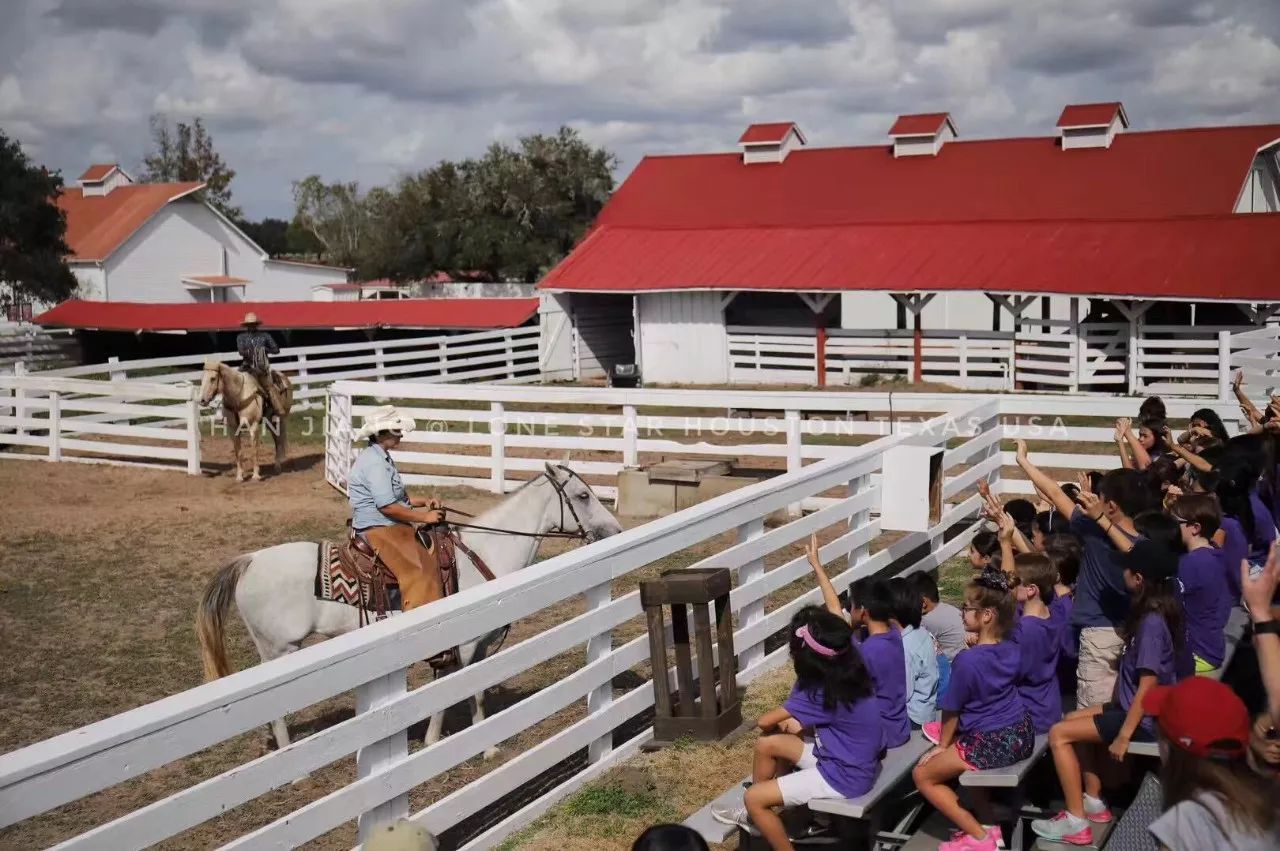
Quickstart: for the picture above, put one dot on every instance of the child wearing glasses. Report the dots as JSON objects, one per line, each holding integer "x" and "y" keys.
{"x": 984, "y": 723}
{"x": 1202, "y": 570}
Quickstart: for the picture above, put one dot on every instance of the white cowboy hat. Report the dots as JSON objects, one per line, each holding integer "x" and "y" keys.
{"x": 251, "y": 318}
{"x": 386, "y": 418}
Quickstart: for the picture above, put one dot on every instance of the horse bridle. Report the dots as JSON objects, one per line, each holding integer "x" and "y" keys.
{"x": 565, "y": 502}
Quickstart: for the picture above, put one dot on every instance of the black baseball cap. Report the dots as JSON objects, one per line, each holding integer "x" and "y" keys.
{"x": 1151, "y": 561}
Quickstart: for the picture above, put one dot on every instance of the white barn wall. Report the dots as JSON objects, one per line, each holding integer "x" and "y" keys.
{"x": 958, "y": 311}
{"x": 185, "y": 238}
{"x": 1260, "y": 194}
{"x": 93, "y": 281}
{"x": 683, "y": 338}
{"x": 290, "y": 281}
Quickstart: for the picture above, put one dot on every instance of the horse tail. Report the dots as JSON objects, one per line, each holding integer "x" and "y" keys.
{"x": 212, "y": 613}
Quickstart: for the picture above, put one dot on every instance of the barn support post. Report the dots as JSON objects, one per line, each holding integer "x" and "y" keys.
{"x": 1133, "y": 311}
{"x": 820, "y": 348}
{"x": 497, "y": 447}
{"x": 598, "y": 647}
{"x": 55, "y": 426}
{"x": 752, "y": 655}
{"x": 1016, "y": 306}
{"x": 385, "y": 753}
{"x": 915, "y": 303}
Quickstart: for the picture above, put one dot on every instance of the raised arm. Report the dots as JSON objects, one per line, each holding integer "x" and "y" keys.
{"x": 1044, "y": 482}
{"x": 1250, "y": 410}
{"x": 1122, "y": 443}
{"x": 1258, "y": 593}
{"x": 1092, "y": 505}
{"x": 1193, "y": 460}
{"x": 1141, "y": 458}
{"x": 829, "y": 596}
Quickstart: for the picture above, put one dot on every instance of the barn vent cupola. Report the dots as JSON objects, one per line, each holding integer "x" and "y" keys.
{"x": 1091, "y": 125}
{"x": 770, "y": 143}
{"x": 101, "y": 179}
{"x": 923, "y": 134}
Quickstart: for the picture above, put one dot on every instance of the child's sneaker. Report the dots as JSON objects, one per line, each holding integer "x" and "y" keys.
{"x": 1096, "y": 810}
{"x": 993, "y": 830}
{"x": 735, "y": 817}
{"x": 932, "y": 731}
{"x": 961, "y": 841}
{"x": 1064, "y": 827}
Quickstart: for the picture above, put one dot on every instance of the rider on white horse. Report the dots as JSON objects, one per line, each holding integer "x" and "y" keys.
{"x": 384, "y": 514}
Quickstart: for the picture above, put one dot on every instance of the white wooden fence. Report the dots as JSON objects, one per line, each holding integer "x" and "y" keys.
{"x": 60, "y": 417}
{"x": 493, "y": 437}
{"x": 374, "y": 662}
{"x": 1257, "y": 355}
{"x": 1050, "y": 353}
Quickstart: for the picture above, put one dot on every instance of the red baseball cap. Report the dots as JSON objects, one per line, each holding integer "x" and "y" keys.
{"x": 1201, "y": 716}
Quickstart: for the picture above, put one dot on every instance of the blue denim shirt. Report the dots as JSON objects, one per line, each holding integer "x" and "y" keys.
{"x": 922, "y": 674}
{"x": 374, "y": 482}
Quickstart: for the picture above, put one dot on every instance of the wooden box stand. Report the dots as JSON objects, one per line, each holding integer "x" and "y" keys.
{"x": 700, "y": 716}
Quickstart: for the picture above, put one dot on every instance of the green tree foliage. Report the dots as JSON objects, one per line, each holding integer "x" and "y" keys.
{"x": 33, "y": 249}
{"x": 511, "y": 214}
{"x": 272, "y": 235}
{"x": 186, "y": 153}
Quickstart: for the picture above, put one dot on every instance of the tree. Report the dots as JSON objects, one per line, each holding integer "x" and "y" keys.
{"x": 335, "y": 214}
{"x": 186, "y": 153}
{"x": 33, "y": 246}
{"x": 272, "y": 235}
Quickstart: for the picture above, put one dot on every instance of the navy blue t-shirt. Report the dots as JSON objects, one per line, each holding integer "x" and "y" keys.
{"x": 1101, "y": 598}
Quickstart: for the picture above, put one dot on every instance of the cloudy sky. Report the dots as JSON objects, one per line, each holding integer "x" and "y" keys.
{"x": 366, "y": 89}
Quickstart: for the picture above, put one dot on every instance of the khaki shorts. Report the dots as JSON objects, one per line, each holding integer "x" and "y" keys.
{"x": 1100, "y": 651}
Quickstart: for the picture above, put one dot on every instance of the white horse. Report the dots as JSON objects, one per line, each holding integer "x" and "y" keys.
{"x": 274, "y": 589}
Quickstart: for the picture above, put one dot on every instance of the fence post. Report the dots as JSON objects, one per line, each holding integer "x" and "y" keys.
{"x": 379, "y": 364}
{"x": 19, "y": 398}
{"x": 856, "y": 555}
{"x": 598, "y": 647}
{"x": 1076, "y": 346}
{"x": 193, "y": 434}
{"x": 117, "y": 374}
{"x": 794, "y": 458}
{"x": 630, "y": 437}
{"x": 337, "y": 439}
{"x": 963, "y": 354}
{"x": 497, "y": 447}
{"x": 511, "y": 366}
{"x": 1224, "y": 366}
{"x": 383, "y": 754}
{"x": 301, "y": 382}
{"x": 55, "y": 426}
{"x": 444, "y": 358}
{"x": 751, "y": 612}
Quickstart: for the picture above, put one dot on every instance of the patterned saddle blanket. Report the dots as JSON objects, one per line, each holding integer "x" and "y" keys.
{"x": 356, "y": 580}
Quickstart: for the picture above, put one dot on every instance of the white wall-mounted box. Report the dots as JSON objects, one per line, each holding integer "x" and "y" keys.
{"x": 911, "y": 489}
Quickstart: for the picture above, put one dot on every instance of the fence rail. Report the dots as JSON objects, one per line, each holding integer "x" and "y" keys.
{"x": 374, "y": 662}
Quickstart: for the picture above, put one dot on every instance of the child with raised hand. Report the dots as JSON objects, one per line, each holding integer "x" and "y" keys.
{"x": 1153, "y": 637}
{"x": 918, "y": 648}
{"x": 1202, "y": 570}
{"x": 829, "y": 729}
{"x": 872, "y": 608}
{"x": 984, "y": 724}
{"x": 1038, "y": 640}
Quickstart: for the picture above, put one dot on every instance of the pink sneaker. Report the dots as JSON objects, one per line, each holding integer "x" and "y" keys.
{"x": 932, "y": 731}
{"x": 961, "y": 841}
{"x": 1064, "y": 827}
{"x": 1102, "y": 816}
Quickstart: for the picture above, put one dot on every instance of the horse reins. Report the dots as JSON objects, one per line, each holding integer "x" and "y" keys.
{"x": 565, "y": 502}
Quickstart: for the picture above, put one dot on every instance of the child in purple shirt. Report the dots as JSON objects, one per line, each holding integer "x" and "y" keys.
{"x": 1064, "y": 552}
{"x": 1037, "y": 639}
{"x": 883, "y": 654}
{"x": 829, "y": 729}
{"x": 1153, "y": 636}
{"x": 1206, "y": 597}
{"x": 984, "y": 722}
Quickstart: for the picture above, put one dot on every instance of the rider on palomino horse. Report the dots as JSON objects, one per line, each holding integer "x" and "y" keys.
{"x": 384, "y": 514}
{"x": 255, "y": 347}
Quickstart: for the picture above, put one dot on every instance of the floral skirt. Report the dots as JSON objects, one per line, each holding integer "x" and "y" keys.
{"x": 998, "y": 748}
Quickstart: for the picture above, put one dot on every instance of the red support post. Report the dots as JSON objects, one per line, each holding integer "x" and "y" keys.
{"x": 821, "y": 353}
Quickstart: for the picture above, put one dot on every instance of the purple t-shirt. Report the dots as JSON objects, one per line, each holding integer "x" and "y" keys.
{"x": 1060, "y": 617}
{"x": 1264, "y": 529}
{"x": 848, "y": 741}
{"x": 984, "y": 688}
{"x": 1206, "y": 599}
{"x": 1234, "y": 550}
{"x": 888, "y": 666}
{"x": 1037, "y": 640}
{"x": 1150, "y": 650}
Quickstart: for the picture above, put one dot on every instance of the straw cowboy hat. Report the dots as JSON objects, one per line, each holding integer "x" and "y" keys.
{"x": 250, "y": 318}
{"x": 386, "y": 418}
{"x": 404, "y": 835}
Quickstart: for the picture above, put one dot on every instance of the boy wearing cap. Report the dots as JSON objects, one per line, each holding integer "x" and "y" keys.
{"x": 1213, "y": 799}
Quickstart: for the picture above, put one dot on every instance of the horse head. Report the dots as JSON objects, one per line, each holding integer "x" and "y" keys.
{"x": 580, "y": 510}
{"x": 211, "y": 381}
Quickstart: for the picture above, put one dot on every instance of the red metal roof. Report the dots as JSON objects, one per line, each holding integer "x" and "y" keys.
{"x": 223, "y": 316}
{"x": 1092, "y": 114}
{"x": 218, "y": 280}
{"x": 922, "y": 124}
{"x": 99, "y": 224}
{"x": 767, "y": 134}
{"x": 98, "y": 171}
{"x": 1233, "y": 257}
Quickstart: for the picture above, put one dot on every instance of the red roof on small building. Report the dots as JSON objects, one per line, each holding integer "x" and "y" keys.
{"x": 922, "y": 124}
{"x": 1092, "y": 114}
{"x": 1232, "y": 257}
{"x": 477, "y": 313}
{"x": 767, "y": 134}
{"x": 99, "y": 224}
{"x": 97, "y": 172}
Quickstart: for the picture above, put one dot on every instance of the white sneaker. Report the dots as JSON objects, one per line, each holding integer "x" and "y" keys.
{"x": 736, "y": 817}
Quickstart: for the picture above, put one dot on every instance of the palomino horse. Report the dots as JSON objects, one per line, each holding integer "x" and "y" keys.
{"x": 274, "y": 589}
{"x": 242, "y": 404}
